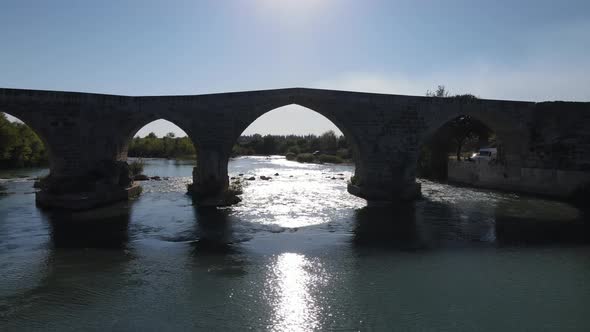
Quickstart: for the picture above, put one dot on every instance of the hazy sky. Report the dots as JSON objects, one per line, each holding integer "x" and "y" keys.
{"x": 524, "y": 50}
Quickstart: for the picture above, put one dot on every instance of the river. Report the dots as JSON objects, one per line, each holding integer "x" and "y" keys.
{"x": 297, "y": 254}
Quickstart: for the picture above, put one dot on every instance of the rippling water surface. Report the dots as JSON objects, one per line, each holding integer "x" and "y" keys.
{"x": 297, "y": 254}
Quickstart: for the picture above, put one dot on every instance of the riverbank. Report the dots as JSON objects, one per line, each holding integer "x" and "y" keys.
{"x": 308, "y": 158}
{"x": 182, "y": 157}
{"x": 301, "y": 157}
{"x": 317, "y": 158}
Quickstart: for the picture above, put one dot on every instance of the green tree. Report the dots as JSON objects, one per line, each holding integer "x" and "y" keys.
{"x": 269, "y": 145}
{"x": 440, "y": 92}
{"x": 19, "y": 145}
{"x": 168, "y": 146}
{"x": 329, "y": 142}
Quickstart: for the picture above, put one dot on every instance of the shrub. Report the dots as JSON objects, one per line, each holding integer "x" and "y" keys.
{"x": 239, "y": 150}
{"x": 236, "y": 187}
{"x": 344, "y": 154}
{"x": 294, "y": 150}
{"x": 136, "y": 167}
{"x": 291, "y": 156}
{"x": 326, "y": 158}
{"x": 305, "y": 158}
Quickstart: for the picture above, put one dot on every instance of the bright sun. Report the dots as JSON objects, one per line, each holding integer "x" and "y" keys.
{"x": 294, "y": 13}
{"x": 294, "y": 5}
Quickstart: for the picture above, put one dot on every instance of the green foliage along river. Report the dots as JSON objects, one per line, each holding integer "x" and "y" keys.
{"x": 19, "y": 145}
{"x": 327, "y": 147}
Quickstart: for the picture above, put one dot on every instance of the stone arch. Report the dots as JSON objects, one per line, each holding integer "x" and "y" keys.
{"x": 132, "y": 129}
{"x": 497, "y": 119}
{"x": 508, "y": 130}
{"x": 434, "y": 153}
{"x": 245, "y": 119}
{"x": 496, "y": 123}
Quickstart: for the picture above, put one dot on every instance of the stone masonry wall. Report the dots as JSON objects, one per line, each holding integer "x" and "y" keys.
{"x": 82, "y": 130}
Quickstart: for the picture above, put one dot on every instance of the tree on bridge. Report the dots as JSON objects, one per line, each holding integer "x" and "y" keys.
{"x": 440, "y": 92}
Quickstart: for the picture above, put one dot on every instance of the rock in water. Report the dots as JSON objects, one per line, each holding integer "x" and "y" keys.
{"x": 140, "y": 177}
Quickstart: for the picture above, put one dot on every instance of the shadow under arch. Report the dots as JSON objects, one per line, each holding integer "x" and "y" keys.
{"x": 561, "y": 224}
{"x": 394, "y": 227}
{"x": 456, "y": 136}
{"x": 216, "y": 247}
{"x": 418, "y": 226}
{"x": 213, "y": 231}
{"x": 89, "y": 276}
{"x": 433, "y": 225}
{"x": 350, "y": 136}
{"x": 507, "y": 129}
{"x": 103, "y": 228}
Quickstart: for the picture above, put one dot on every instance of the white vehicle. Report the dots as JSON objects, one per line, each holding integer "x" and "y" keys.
{"x": 485, "y": 154}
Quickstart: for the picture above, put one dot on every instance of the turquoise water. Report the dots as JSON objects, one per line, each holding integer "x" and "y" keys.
{"x": 297, "y": 254}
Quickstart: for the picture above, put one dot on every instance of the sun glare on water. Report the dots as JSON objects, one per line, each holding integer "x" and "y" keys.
{"x": 291, "y": 283}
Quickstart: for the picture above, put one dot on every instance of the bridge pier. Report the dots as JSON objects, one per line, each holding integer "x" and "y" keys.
{"x": 210, "y": 180}
{"x": 101, "y": 195}
{"x": 107, "y": 183}
{"x": 384, "y": 176}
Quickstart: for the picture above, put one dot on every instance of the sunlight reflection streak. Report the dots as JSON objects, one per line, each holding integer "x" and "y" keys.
{"x": 292, "y": 278}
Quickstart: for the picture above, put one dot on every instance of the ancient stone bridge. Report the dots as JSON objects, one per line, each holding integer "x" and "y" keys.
{"x": 546, "y": 146}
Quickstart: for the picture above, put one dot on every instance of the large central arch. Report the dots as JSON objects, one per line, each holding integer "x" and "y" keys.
{"x": 348, "y": 133}
{"x": 234, "y": 113}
